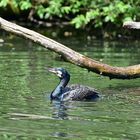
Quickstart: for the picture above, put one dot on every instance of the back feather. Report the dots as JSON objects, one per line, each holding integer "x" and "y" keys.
{"x": 79, "y": 92}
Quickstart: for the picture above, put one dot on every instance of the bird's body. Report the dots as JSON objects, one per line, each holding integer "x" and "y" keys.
{"x": 79, "y": 92}
{"x": 73, "y": 92}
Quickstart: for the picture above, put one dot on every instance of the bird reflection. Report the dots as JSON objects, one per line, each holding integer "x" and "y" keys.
{"x": 60, "y": 110}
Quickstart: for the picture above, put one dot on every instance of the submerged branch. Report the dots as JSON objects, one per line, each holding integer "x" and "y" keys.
{"x": 72, "y": 56}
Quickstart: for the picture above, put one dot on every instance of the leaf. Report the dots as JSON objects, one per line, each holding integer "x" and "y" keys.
{"x": 79, "y": 21}
{"x": 3, "y": 3}
{"x": 127, "y": 19}
{"x": 40, "y": 11}
{"x": 24, "y": 5}
{"x": 93, "y": 14}
{"x": 66, "y": 9}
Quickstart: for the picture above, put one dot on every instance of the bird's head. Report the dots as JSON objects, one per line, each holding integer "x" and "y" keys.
{"x": 60, "y": 72}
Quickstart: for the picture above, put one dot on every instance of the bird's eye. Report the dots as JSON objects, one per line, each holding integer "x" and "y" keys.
{"x": 59, "y": 73}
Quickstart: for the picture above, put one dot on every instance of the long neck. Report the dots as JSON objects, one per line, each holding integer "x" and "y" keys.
{"x": 58, "y": 91}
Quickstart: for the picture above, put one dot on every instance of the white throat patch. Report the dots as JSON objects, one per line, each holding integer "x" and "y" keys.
{"x": 59, "y": 73}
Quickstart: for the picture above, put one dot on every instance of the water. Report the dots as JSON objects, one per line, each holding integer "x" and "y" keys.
{"x": 25, "y": 85}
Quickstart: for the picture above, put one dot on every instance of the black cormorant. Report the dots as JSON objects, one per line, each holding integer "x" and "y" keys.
{"x": 74, "y": 92}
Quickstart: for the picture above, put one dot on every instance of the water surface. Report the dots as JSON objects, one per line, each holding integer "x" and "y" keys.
{"x": 25, "y": 86}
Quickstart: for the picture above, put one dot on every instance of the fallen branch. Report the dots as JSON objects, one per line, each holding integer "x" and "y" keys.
{"x": 72, "y": 56}
{"x": 131, "y": 25}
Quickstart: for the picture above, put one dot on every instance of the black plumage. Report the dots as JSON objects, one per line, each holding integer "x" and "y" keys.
{"x": 73, "y": 92}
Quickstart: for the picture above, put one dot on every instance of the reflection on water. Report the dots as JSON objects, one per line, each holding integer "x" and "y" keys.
{"x": 59, "y": 110}
{"x": 26, "y": 113}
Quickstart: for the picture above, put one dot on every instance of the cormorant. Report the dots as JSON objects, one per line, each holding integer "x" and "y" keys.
{"x": 74, "y": 92}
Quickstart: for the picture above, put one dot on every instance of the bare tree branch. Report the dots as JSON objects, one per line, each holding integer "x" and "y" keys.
{"x": 72, "y": 56}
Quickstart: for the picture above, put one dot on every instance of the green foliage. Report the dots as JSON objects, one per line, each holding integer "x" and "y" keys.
{"x": 22, "y": 4}
{"x": 115, "y": 10}
{"x": 40, "y": 11}
{"x": 3, "y": 3}
{"x": 25, "y": 4}
{"x": 81, "y": 12}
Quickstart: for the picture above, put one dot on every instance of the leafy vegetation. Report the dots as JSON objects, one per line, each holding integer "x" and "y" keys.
{"x": 80, "y": 13}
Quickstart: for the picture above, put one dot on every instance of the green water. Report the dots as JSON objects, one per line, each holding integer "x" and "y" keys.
{"x": 25, "y": 109}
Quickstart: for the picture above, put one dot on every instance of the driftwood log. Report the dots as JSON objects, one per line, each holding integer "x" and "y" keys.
{"x": 72, "y": 56}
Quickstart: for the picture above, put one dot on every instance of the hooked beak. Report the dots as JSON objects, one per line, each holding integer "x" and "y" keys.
{"x": 53, "y": 70}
